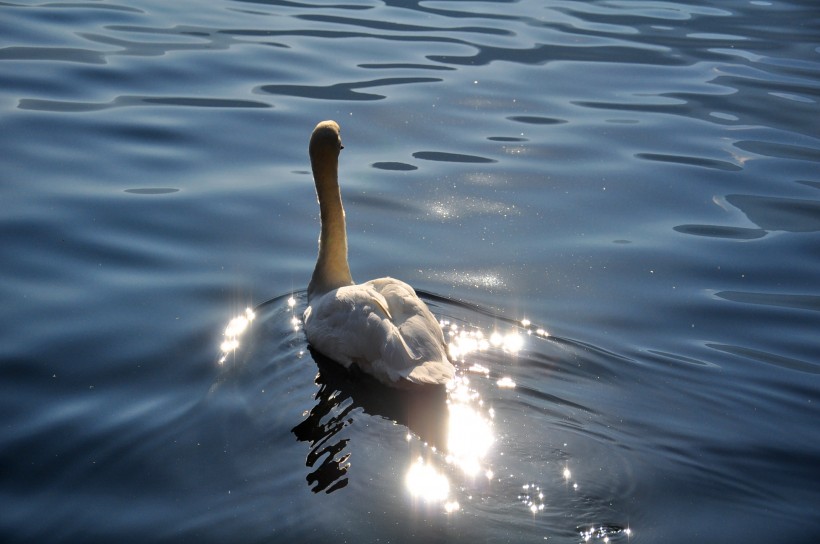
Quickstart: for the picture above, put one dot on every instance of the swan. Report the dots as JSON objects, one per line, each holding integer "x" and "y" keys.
{"x": 380, "y": 326}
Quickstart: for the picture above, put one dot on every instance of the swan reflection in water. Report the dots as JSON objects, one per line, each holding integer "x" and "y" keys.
{"x": 453, "y": 427}
{"x": 341, "y": 393}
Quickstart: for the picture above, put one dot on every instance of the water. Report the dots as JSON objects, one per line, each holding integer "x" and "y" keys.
{"x": 616, "y": 201}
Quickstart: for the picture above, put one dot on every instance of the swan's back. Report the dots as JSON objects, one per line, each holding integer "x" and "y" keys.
{"x": 382, "y": 327}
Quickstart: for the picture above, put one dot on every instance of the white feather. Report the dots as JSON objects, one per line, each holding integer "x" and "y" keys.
{"x": 353, "y": 325}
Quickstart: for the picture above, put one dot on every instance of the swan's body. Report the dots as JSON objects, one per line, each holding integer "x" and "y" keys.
{"x": 381, "y": 326}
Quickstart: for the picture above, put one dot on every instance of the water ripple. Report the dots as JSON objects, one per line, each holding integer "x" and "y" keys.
{"x": 403, "y": 66}
{"x": 543, "y": 54}
{"x": 396, "y": 166}
{"x": 342, "y": 91}
{"x": 61, "y": 54}
{"x": 719, "y": 231}
{"x": 702, "y": 162}
{"x": 779, "y": 300}
{"x": 775, "y": 213}
{"x": 80, "y": 6}
{"x": 401, "y": 27}
{"x": 37, "y": 104}
{"x": 782, "y": 361}
{"x": 536, "y": 120}
{"x": 780, "y": 150}
{"x": 442, "y": 156}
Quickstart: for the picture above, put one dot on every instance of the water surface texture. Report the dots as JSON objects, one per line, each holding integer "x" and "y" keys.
{"x": 613, "y": 207}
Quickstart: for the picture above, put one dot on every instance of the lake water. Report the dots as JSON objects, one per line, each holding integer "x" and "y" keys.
{"x": 613, "y": 207}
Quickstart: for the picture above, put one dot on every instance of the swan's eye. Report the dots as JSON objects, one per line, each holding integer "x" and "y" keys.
{"x": 341, "y": 147}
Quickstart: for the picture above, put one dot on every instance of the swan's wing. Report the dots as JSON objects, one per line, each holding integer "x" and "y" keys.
{"x": 418, "y": 331}
{"x": 352, "y": 325}
{"x": 384, "y": 328}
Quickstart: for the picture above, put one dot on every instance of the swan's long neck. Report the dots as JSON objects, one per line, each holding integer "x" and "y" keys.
{"x": 332, "y": 270}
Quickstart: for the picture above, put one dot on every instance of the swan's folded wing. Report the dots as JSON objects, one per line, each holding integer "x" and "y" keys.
{"x": 353, "y": 325}
{"x": 419, "y": 333}
{"x": 340, "y": 325}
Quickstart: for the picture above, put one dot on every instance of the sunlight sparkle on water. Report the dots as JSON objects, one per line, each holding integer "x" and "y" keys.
{"x": 506, "y": 383}
{"x": 424, "y": 482}
{"x": 602, "y": 533}
{"x": 469, "y": 434}
{"x": 236, "y": 327}
{"x": 532, "y": 497}
{"x": 464, "y": 342}
{"x": 239, "y": 324}
{"x": 511, "y": 342}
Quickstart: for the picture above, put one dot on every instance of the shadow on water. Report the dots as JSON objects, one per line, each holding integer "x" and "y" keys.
{"x": 341, "y": 396}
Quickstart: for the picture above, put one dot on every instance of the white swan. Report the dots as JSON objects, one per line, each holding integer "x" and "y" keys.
{"x": 381, "y": 326}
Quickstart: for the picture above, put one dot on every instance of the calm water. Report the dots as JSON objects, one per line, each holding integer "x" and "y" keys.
{"x": 613, "y": 207}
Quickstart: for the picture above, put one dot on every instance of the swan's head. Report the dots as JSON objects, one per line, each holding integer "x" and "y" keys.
{"x": 326, "y": 139}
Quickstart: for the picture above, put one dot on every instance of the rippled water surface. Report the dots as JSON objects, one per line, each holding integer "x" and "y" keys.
{"x": 611, "y": 206}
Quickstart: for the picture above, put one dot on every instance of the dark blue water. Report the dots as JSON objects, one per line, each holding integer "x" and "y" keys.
{"x": 612, "y": 207}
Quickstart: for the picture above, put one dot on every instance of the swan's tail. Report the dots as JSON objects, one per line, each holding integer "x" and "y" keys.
{"x": 432, "y": 373}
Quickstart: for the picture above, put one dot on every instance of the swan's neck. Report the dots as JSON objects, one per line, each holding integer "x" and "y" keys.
{"x": 332, "y": 270}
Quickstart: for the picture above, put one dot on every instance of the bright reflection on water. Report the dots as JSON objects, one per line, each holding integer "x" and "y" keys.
{"x": 532, "y": 497}
{"x": 295, "y": 322}
{"x": 506, "y": 383}
{"x": 469, "y": 433}
{"x": 464, "y": 342}
{"x": 425, "y": 482}
{"x": 602, "y": 533}
{"x": 469, "y": 438}
{"x": 236, "y": 327}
